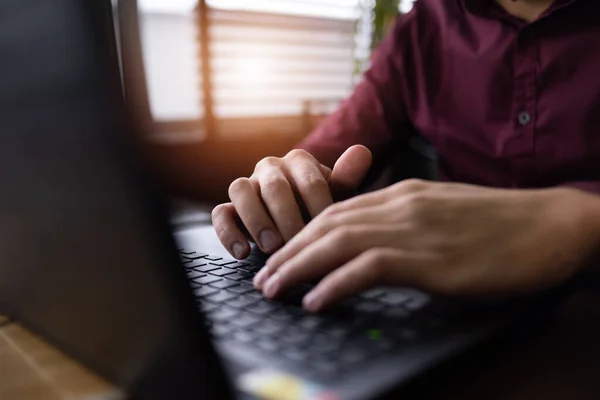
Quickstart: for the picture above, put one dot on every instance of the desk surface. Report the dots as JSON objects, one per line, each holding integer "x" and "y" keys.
{"x": 30, "y": 369}
{"x": 561, "y": 362}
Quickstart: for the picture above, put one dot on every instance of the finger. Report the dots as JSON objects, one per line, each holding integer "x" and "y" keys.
{"x": 328, "y": 253}
{"x": 350, "y": 170}
{"x": 314, "y": 231}
{"x": 279, "y": 198}
{"x": 320, "y": 227}
{"x": 308, "y": 179}
{"x": 225, "y": 222}
{"x": 255, "y": 218}
{"x": 379, "y": 266}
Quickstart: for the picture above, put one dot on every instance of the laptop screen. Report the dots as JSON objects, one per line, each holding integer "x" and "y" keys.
{"x": 86, "y": 256}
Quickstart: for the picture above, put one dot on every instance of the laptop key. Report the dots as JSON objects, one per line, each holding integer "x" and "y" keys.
{"x": 245, "y": 321}
{"x": 192, "y": 274}
{"x": 295, "y": 354}
{"x": 368, "y": 306}
{"x": 417, "y": 303}
{"x": 213, "y": 258}
{"x": 223, "y": 314}
{"x": 223, "y": 284}
{"x": 194, "y": 256}
{"x": 222, "y": 262}
{"x": 261, "y": 307}
{"x": 241, "y": 302}
{"x": 242, "y": 288}
{"x": 337, "y": 332}
{"x": 269, "y": 328}
{"x": 280, "y": 315}
{"x": 310, "y": 323}
{"x": 205, "y": 280}
{"x": 322, "y": 344}
{"x": 295, "y": 337}
{"x": 252, "y": 268}
{"x": 205, "y": 268}
{"x": 238, "y": 276}
{"x": 221, "y": 297}
{"x": 208, "y": 307}
{"x": 373, "y": 294}
{"x": 270, "y": 346}
{"x": 351, "y": 356}
{"x": 197, "y": 263}
{"x": 243, "y": 337}
{"x": 205, "y": 291}
{"x": 395, "y": 298}
{"x": 222, "y": 330}
{"x": 326, "y": 367}
{"x": 221, "y": 272}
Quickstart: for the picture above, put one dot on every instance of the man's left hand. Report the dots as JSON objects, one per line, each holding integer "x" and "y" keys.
{"x": 449, "y": 239}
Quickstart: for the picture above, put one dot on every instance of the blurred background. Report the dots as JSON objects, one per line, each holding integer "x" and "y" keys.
{"x": 232, "y": 81}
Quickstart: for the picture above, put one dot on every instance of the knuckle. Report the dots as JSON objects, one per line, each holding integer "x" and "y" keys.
{"x": 238, "y": 186}
{"x": 346, "y": 235}
{"x": 332, "y": 210}
{"x": 298, "y": 154}
{"x": 416, "y": 204}
{"x": 268, "y": 162}
{"x": 273, "y": 186}
{"x": 311, "y": 184}
{"x": 217, "y": 211}
{"x": 339, "y": 236}
{"x": 319, "y": 229}
{"x": 411, "y": 185}
{"x": 376, "y": 259}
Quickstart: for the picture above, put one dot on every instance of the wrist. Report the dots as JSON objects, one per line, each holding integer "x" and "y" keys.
{"x": 583, "y": 211}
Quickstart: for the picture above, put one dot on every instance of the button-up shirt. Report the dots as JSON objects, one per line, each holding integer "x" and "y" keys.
{"x": 506, "y": 103}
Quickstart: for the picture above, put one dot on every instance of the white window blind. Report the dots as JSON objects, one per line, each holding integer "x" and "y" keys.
{"x": 272, "y": 61}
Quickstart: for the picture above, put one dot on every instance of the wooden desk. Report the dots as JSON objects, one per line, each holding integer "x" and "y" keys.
{"x": 561, "y": 362}
{"x": 32, "y": 370}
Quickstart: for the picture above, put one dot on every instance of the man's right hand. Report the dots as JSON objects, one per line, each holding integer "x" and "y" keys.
{"x": 268, "y": 207}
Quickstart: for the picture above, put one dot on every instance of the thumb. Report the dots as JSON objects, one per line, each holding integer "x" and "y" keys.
{"x": 349, "y": 171}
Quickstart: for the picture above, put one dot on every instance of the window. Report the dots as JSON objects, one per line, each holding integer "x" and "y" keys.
{"x": 274, "y": 63}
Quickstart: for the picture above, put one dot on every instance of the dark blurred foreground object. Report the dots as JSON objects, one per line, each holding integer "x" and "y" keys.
{"x": 88, "y": 260}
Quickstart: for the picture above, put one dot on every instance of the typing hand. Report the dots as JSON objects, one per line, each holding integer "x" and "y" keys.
{"x": 269, "y": 205}
{"x": 448, "y": 239}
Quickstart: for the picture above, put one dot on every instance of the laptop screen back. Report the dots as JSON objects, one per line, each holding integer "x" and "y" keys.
{"x": 86, "y": 258}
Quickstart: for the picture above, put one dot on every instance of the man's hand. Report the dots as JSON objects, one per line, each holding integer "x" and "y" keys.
{"x": 448, "y": 239}
{"x": 271, "y": 203}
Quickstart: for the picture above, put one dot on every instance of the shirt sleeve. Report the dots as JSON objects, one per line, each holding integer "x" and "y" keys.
{"x": 375, "y": 113}
{"x": 588, "y": 186}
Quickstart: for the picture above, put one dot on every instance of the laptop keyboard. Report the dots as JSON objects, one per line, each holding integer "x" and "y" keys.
{"x": 353, "y": 332}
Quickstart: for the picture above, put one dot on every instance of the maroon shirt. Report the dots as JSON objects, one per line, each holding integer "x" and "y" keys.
{"x": 505, "y": 103}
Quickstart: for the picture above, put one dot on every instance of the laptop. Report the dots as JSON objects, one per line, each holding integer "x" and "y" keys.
{"x": 89, "y": 260}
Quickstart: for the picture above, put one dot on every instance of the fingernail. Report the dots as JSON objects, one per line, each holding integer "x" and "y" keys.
{"x": 311, "y": 302}
{"x": 238, "y": 250}
{"x": 272, "y": 286}
{"x": 269, "y": 240}
{"x": 260, "y": 278}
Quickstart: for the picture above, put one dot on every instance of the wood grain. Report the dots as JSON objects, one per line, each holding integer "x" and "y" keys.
{"x": 31, "y": 369}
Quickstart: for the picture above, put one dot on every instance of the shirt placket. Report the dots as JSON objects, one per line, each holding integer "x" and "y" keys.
{"x": 522, "y": 145}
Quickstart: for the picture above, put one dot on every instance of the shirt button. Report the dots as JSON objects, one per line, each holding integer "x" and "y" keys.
{"x": 524, "y": 118}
